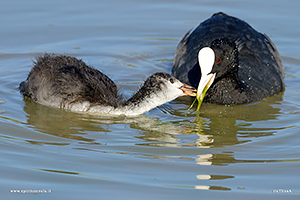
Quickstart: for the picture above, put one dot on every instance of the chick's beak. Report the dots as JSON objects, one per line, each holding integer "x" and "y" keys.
{"x": 188, "y": 90}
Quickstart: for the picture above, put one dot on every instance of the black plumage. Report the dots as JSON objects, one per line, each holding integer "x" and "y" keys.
{"x": 250, "y": 67}
{"x": 70, "y": 80}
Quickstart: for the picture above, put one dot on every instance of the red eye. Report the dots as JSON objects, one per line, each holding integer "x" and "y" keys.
{"x": 219, "y": 60}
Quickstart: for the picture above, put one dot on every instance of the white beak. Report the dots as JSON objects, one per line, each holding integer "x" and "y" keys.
{"x": 206, "y": 58}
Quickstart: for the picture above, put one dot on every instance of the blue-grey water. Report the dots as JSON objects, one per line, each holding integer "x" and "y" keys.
{"x": 228, "y": 152}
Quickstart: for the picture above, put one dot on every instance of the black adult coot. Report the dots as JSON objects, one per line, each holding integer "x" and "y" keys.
{"x": 243, "y": 66}
{"x": 67, "y": 82}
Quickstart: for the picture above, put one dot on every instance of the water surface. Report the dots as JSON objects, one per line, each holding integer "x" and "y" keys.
{"x": 227, "y": 152}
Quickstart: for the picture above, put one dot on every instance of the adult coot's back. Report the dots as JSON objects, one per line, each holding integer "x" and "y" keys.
{"x": 246, "y": 66}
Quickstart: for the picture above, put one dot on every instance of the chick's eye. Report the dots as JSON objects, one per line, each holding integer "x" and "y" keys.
{"x": 218, "y": 60}
{"x": 172, "y": 80}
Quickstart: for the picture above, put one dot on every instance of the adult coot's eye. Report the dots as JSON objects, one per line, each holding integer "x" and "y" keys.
{"x": 219, "y": 60}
